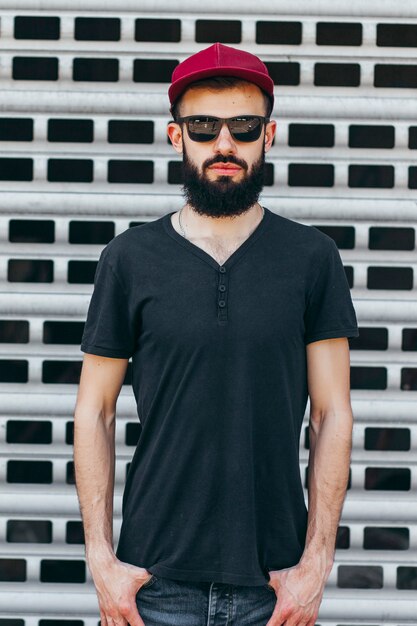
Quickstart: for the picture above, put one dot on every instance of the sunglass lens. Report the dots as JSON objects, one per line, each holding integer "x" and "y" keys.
{"x": 246, "y": 128}
{"x": 203, "y": 128}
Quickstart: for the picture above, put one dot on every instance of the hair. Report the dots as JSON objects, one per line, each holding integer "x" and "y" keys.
{"x": 218, "y": 83}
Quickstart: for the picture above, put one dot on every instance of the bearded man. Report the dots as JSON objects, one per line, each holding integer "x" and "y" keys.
{"x": 233, "y": 315}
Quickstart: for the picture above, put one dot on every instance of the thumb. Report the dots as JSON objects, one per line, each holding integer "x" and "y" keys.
{"x": 139, "y": 572}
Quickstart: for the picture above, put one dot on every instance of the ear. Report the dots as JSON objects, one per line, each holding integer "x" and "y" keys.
{"x": 174, "y": 132}
{"x": 270, "y": 130}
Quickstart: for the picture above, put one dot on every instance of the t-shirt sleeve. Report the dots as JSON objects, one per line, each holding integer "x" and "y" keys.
{"x": 110, "y": 328}
{"x": 330, "y": 312}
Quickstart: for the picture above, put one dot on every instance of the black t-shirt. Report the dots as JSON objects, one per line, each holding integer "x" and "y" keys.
{"x": 214, "y": 491}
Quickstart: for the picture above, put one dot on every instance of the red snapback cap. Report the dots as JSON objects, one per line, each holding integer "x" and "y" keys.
{"x": 220, "y": 60}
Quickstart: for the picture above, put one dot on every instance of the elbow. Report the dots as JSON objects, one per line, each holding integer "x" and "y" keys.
{"x": 109, "y": 419}
{"x": 315, "y": 423}
{"x": 108, "y": 414}
{"x": 88, "y": 415}
{"x": 341, "y": 417}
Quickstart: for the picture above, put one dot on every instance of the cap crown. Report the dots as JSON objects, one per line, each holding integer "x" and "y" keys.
{"x": 220, "y": 60}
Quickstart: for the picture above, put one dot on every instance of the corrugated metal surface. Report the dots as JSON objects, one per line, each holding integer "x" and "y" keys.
{"x": 374, "y": 578}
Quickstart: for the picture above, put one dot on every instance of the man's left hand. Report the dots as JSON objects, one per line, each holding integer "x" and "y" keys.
{"x": 299, "y": 591}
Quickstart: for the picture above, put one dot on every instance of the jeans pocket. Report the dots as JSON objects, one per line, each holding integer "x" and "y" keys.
{"x": 149, "y": 582}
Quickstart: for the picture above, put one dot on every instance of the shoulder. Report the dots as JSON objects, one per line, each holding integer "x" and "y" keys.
{"x": 308, "y": 239}
{"x": 131, "y": 242}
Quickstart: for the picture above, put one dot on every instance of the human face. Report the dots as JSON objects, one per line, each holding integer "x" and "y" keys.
{"x": 223, "y": 166}
{"x": 231, "y": 102}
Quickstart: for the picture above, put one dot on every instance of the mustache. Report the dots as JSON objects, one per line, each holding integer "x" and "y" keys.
{"x": 225, "y": 159}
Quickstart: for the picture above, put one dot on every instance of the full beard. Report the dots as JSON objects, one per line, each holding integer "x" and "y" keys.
{"x": 222, "y": 197}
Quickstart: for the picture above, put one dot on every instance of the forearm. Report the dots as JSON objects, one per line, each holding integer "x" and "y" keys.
{"x": 94, "y": 460}
{"x": 328, "y": 472}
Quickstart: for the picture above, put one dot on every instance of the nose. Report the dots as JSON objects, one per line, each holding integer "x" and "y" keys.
{"x": 224, "y": 143}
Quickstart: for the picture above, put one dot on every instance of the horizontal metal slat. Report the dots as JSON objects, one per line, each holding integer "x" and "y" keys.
{"x": 384, "y": 8}
{"x": 303, "y": 205}
{"x": 301, "y": 102}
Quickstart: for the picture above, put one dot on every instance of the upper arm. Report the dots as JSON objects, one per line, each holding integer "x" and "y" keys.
{"x": 100, "y": 384}
{"x": 328, "y": 373}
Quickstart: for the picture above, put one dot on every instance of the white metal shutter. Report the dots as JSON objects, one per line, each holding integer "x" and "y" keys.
{"x": 84, "y": 155}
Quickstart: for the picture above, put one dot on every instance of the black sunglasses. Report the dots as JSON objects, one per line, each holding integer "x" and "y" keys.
{"x": 207, "y": 128}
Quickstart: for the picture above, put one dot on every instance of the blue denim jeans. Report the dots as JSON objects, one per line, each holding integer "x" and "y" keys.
{"x": 168, "y": 602}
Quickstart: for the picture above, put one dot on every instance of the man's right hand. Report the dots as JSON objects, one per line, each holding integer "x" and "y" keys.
{"x": 117, "y": 584}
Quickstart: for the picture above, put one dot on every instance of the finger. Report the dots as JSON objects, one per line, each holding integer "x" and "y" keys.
{"x": 280, "y": 617}
{"x": 134, "y": 618}
{"x": 277, "y": 619}
{"x": 103, "y": 618}
{"x": 310, "y": 622}
{"x": 139, "y": 622}
{"x": 295, "y": 620}
{"x": 286, "y": 617}
{"x": 117, "y": 621}
{"x": 273, "y": 622}
{"x": 108, "y": 621}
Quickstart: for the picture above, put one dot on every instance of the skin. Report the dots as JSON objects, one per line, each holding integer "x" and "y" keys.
{"x": 299, "y": 589}
{"x": 225, "y": 232}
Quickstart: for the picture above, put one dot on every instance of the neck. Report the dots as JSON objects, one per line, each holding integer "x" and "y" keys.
{"x": 232, "y": 227}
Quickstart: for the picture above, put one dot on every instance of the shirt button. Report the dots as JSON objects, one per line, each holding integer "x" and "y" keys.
{"x": 222, "y": 287}
{"x": 222, "y": 303}
{"x": 222, "y": 269}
